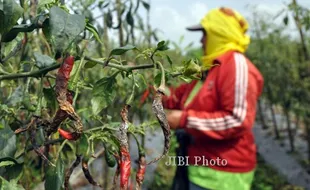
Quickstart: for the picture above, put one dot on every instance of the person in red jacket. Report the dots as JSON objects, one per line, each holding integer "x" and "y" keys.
{"x": 218, "y": 112}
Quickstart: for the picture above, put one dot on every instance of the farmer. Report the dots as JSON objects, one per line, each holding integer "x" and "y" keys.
{"x": 218, "y": 112}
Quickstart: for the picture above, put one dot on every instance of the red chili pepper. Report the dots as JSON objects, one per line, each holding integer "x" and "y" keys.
{"x": 124, "y": 150}
{"x": 66, "y": 68}
{"x": 144, "y": 96}
{"x": 141, "y": 171}
{"x": 125, "y": 167}
{"x": 67, "y": 135}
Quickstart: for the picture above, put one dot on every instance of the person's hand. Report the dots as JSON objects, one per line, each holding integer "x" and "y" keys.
{"x": 174, "y": 117}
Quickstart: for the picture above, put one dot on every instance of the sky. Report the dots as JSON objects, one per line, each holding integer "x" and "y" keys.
{"x": 173, "y": 16}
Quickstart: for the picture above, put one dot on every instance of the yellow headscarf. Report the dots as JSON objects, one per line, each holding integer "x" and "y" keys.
{"x": 226, "y": 30}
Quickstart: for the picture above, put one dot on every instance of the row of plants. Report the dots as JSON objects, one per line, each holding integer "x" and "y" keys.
{"x": 282, "y": 55}
{"x": 71, "y": 92}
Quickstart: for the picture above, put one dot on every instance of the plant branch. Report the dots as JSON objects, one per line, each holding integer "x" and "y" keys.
{"x": 51, "y": 142}
{"x": 121, "y": 67}
{"x": 37, "y": 73}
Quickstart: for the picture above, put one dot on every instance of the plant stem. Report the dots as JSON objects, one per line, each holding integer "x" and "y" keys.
{"x": 163, "y": 81}
{"x": 43, "y": 71}
{"x": 52, "y": 142}
{"x": 121, "y": 67}
{"x": 36, "y": 74}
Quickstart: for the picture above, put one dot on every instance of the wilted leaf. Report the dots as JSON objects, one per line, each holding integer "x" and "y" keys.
{"x": 43, "y": 60}
{"x": 55, "y": 176}
{"x": 103, "y": 94}
{"x": 122, "y": 50}
{"x": 64, "y": 28}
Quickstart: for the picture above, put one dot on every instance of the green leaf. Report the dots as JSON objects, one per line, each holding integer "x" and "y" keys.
{"x": 6, "y": 163}
{"x": 157, "y": 78}
{"x": 146, "y": 5}
{"x": 42, "y": 3}
{"x": 13, "y": 172}
{"x": 43, "y": 60}
{"x": 122, "y": 50}
{"x": 90, "y": 64}
{"x": 55, "y": 176}
{"x": 141, "y": 81}
{"x": 64, "y": 28}
{"x": 8, "y": 159}
{"x": 186, "y": 79}
{"x": 16, "y": 97}
{"x": 12, "y": 185}
{"x": 103, "y": 94}
{"x": 11, "y": 35}
{"x": 162, "y": 46}
{"x": 129, "y": 18}
{"x": 50, "y": 97}
{"x": 82, "y": 145}
{"x": 285, "y": 20}
{"x": 7, "y": 142}
{"x": 169, "y": 60}
{"x": 10, "y": 13}
{"x": 102, "y": 5}
{"x": 94, "y": 31}
{"x": 108, "y": 19}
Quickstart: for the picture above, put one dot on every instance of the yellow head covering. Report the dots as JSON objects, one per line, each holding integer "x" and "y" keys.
{"x": 226, "y": 30}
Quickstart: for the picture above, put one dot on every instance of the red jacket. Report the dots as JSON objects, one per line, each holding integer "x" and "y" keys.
{"x": 221, "y": 115}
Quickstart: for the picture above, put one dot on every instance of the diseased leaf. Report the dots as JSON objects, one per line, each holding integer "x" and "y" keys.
{"x": 43, "y": 60}
{"x": 122, "y": 50}
{"x": 55, "y": 176}
{"x": 64, "y": 28}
